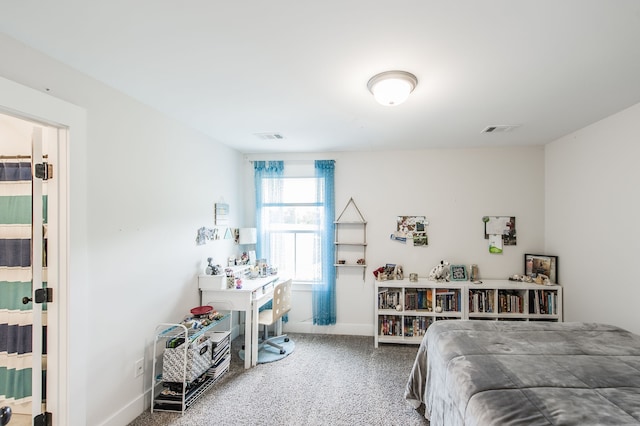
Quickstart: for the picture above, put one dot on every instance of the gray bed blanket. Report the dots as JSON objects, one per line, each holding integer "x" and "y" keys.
{"x": 527, "y": 373}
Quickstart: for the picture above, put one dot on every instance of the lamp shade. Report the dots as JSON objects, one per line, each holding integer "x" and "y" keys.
{"x": 248, "y": 236}
{"x": 392, "y": 88}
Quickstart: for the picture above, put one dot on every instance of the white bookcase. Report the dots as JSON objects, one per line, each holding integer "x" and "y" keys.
{"x": 404, "y": 309}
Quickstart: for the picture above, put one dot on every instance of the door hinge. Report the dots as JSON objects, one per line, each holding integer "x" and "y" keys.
{"x": 44, "y": 295}
{"x": 44, "y": 171}
{"x": 43, "y": 419}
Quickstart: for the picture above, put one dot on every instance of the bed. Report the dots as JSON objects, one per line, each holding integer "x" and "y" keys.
{"x": 527, "y": 373}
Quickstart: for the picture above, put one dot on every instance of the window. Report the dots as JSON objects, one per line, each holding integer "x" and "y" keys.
{"x": 295, "y": 220}
{"x": 292, "y": 220}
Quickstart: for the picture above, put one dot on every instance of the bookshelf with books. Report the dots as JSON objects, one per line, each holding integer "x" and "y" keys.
{"x": 512, "y": 300}
{"x": 404, "y": 310}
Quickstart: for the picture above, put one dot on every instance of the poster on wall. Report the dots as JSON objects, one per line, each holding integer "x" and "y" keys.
{"x": 221, "y": 214}
{"x": 500, "y": 231}
{"x": 411, "y": 229}
{"x": 207, "y": 234}
{"x": 495, "y": 244}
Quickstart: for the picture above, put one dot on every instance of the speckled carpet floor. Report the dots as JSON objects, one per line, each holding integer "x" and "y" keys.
{"x": 327, "y": 380}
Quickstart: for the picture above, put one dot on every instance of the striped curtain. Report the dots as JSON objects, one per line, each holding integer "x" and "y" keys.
{"x": 15, "y": 282}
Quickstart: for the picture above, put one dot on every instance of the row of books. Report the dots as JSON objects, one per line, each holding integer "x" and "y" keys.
{"x": 544, "y": 302}
{"x": 389, "y": 298}
{"x": 393, "y": 325}
{"x": 511, "y": 302}
{"x": 481, "y": 301}
{"x": 390, "y": 325}
{"x": 540, "y": 301}
{"x": 418, "y": 299}
{"x": 448, "y": 300}
{"x": 416, "y": 326}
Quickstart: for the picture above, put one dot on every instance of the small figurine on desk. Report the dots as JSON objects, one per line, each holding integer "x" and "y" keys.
{"x": 212, "y": 269}
{"x": 238, "y": 283}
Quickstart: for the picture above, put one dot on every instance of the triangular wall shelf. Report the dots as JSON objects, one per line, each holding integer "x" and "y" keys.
{"x": 351, "y": 238}
{"x": 359, "y": 218}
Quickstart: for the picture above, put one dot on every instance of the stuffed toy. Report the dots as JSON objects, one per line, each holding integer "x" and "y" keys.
{"x": 440, "y": 273}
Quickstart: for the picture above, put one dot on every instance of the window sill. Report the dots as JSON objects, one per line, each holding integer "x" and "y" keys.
{"x": 301, "y": 286}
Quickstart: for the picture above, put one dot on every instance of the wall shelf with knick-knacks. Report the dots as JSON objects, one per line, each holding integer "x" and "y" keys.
{"x": 351, "y": 238}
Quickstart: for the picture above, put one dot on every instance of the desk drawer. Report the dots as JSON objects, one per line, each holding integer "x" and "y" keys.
{"x": 212, "y": 282}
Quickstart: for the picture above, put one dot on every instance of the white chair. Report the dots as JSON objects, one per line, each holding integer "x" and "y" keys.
{"x": 281, "y": 305}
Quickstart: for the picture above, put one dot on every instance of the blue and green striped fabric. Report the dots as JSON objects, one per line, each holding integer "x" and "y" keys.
{"x": 15, "y": 281}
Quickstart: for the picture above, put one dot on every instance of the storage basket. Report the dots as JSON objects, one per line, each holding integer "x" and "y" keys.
{"x": 198, "y": 361}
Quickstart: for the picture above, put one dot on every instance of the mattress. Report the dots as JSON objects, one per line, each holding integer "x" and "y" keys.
{"x": 527, "y": 373}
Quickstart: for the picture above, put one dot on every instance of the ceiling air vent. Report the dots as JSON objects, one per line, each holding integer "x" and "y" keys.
{"x": 499, "y": 128}
{"x": 269, "y": 136}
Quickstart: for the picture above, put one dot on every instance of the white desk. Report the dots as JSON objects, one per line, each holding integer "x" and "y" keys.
{"x": 253, "y": 294}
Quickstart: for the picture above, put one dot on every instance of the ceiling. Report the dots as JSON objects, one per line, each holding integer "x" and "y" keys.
{"x": 238, "y": 69}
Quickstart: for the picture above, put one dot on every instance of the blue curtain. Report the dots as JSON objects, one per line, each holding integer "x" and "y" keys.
{"x": 266, "y": 186}
{"x": 324, "y": 293}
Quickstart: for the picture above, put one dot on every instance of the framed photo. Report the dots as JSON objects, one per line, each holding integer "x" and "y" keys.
{"x": 458, "y": 273}
{"x": 541, "y": 264}
{"x": 390, "y": 270}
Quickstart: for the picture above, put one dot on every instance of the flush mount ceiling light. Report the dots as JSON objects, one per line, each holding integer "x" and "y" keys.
{"x": 392, "y": 88}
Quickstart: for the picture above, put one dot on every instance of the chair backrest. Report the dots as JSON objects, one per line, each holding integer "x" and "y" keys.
{"x": 281, "y": 299}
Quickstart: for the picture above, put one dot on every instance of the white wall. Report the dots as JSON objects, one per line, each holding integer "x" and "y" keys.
{"x": 592, "y": 212}
{"x": 150, "y": 184}
{"x": 454, "y": 189}
{"x": 15, "y": 135}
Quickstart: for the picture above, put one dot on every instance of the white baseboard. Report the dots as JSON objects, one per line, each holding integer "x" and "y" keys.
{"x": 307, "y": 327}
{"x": 129, "y": 412}
{"x": 340, "y": 328}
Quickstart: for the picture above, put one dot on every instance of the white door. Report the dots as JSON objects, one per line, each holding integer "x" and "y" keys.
{"x": 67, "y": 123}
{"x": 17, "y": 150}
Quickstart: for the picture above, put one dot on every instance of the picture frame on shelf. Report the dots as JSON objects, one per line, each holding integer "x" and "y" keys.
{"x": 458, "y": 273}
{"x": 390, "y": 271}
{"x": 541, "y": 264}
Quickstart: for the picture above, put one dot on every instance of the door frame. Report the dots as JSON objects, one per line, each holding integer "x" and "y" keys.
{"x": 67, "y": 315}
